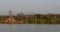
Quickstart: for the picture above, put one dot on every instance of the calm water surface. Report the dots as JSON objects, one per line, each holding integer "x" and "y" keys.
{"x": 29, "y": 28}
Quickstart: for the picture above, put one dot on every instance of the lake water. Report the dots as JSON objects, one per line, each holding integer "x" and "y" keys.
{"x": 29, "y": 28}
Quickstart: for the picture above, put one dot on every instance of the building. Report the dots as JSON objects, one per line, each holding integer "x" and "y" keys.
{"x": 11, "y": 19}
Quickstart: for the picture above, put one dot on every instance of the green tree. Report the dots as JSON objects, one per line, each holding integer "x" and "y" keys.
{"x": 42, "y": 21}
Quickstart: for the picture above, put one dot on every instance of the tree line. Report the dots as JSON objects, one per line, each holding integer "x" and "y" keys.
{"x": 34, "y": 19}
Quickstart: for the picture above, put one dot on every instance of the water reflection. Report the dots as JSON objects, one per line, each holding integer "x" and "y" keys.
{"x": 10, "y": 28}
{"x": 29, "y": 28}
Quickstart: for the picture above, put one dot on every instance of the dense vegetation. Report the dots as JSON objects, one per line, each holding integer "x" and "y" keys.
{"x": 34, "y": 19}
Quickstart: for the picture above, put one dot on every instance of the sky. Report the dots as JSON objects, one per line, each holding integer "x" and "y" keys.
{"x": 29, "y": 6}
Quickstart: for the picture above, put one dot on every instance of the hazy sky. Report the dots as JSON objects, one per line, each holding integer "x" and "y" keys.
{"x": 36, "y": 6}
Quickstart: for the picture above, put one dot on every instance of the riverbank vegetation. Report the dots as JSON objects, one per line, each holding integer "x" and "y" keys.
{"x": 34, "y": 19}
